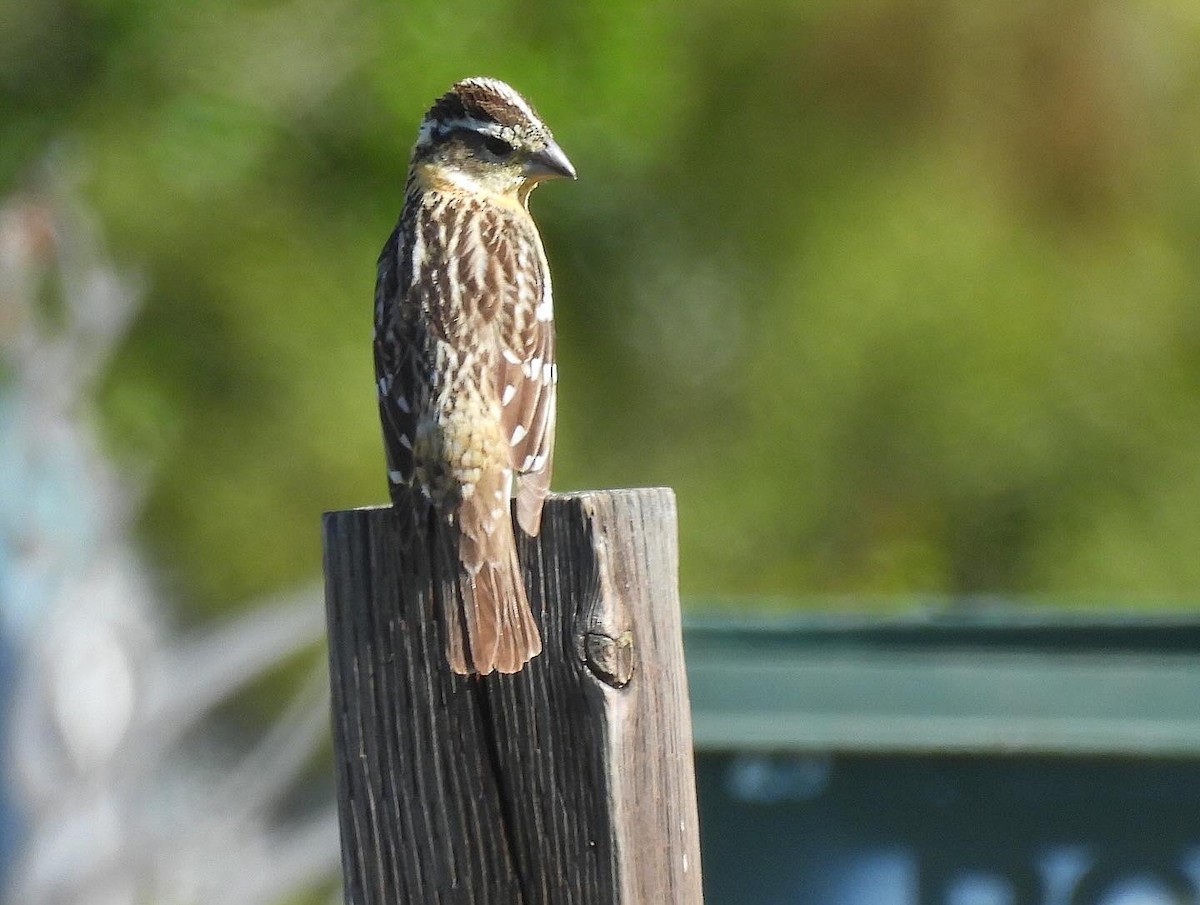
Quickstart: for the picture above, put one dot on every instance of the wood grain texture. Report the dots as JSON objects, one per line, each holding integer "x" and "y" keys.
{"x": 569, "y": 782}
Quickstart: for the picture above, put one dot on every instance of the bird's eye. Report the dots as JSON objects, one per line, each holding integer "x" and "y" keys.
{"x": 497, "y": 146}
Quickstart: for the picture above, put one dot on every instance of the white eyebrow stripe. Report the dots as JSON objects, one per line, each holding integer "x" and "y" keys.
{"x": 464, "y": 122}
{"x": 443, "y": 127}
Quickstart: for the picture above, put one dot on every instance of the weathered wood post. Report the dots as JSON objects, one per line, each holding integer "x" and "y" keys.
{"x": 569, "y": 782}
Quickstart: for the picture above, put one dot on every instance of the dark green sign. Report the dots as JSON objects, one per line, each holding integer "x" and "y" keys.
{"x": 999, "y": 757}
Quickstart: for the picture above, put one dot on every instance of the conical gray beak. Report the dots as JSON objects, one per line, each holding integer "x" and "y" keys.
{"x": 549, "y": 163}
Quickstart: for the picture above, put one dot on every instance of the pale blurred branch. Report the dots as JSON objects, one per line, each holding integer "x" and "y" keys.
{"x": 123, "y": 792}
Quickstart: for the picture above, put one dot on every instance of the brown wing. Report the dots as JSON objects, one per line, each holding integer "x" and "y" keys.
{"x": 528, "y": 374}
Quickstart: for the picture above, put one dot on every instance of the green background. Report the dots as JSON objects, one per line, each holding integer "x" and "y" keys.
{"x": 899, "y": 296}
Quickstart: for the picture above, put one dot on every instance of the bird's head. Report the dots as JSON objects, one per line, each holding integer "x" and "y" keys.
{"x": 482, "y": 136}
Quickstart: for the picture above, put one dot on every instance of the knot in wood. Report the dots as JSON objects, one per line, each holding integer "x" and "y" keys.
{"x": 610, "y": 659}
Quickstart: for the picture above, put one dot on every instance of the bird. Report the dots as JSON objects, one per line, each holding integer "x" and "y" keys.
{"x": 464, "y": 356}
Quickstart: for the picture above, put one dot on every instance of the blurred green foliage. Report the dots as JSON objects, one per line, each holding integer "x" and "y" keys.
{"x": 900, "y": 295}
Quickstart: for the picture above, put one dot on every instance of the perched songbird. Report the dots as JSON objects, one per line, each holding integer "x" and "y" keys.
{"x": 464, "y": 353}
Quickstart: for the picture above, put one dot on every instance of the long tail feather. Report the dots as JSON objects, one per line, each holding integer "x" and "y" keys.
{"x": 492, "y": 628}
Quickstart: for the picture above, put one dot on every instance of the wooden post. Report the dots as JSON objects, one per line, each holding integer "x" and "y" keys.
{"x": 569, "y": 783}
